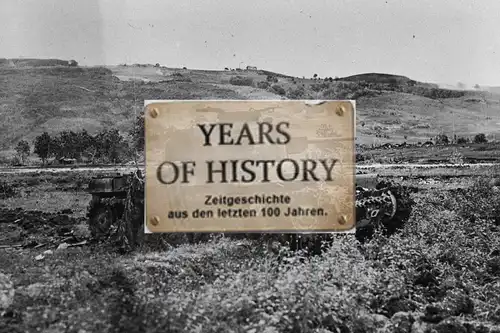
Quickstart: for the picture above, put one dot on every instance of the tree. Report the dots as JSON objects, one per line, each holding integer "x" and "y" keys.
{"x": 23, "y": 150}
{"x": 477, "y": 87}
{"x": 138, "y": 133}
{"x": 68, "y": 145}
{"x": 43, "y": 147}
{"x": 442, "y": 139}
{"x": 111, "y": 146}
{"x": 87, "y": 146}
{"x": 480, "y": 138}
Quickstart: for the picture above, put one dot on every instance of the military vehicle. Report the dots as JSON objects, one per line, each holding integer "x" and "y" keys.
{"x": 118, "y": 203}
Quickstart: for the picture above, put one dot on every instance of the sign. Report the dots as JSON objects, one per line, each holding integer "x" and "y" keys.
{"x": 250, "y": 166}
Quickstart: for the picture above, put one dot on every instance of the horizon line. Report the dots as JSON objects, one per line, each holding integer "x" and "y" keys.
{"x": 244, "y": 69}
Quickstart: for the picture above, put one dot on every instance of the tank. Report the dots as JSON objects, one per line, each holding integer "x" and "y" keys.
{"x": 117, "y": 207}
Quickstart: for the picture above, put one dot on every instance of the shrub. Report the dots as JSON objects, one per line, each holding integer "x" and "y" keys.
{"x": 287, "y": 294}
{"x": 480, "y": 138}
{"x": 348, "y": 90}
{"x": 297, "y": 93}
{"x": 272, "y": 79}
{"x": 241, "y": 81}
{"x": 16, "y": 161}
{"x": 263, "y": 84}
{"x": 449, "y": 250}
{"x": 442, "y": 139}
{"x": 317, "y": 87}
{"x": 6, "y": 190}
{"x": 277, "y": 89}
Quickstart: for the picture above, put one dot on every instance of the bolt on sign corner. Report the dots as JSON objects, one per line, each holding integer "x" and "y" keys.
{"x": 250, "y": 166}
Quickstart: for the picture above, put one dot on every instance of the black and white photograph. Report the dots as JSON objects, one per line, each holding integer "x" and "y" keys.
{"x": 76, "y": 249}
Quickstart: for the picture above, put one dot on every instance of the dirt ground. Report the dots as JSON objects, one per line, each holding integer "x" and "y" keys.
{"x": 54, "y": 278}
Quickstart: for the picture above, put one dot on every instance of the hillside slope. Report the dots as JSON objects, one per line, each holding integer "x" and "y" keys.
{"x": 33, "y": 100}
{"x": 396, "y": 115}
{"x": 56, "y": 98}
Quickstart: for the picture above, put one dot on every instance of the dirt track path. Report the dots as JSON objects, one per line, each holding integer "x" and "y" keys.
{"x": 366, "y": 167}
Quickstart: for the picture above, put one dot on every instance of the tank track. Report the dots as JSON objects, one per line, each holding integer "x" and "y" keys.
{"x": 385, "y": 208}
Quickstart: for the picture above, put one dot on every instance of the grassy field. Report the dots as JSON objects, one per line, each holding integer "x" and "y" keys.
{"x": 441, "y": 271}
{"x": 452, "y": 153}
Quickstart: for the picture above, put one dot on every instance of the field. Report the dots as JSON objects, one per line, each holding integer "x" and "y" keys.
{"x": 441, "y": 271}
{"x": 451, "y": 153}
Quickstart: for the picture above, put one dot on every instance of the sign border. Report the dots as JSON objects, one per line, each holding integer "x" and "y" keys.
{"x": 352, "y": 230}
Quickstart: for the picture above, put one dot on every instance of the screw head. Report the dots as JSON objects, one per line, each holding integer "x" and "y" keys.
{"x": 154, "y": 113}
{"x": 340, "y": 111}
{"x": 155, "y": 220}
{"x": 342, "y": 219}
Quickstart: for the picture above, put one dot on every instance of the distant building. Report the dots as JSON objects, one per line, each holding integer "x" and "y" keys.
{"x": 251, "y": 68}
{"x": 64, "y": 160}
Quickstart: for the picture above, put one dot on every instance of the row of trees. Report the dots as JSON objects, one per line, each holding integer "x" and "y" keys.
{"x": 444, "y": 139}
{"x": 107, "y": 146}
{"x": 110, "y": 146}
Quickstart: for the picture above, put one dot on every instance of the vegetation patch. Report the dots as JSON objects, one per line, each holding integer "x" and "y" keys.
{"x": 439, "y": 272}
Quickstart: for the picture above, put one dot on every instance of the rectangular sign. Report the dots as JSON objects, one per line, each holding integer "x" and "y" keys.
{"x": 250, "y": 166}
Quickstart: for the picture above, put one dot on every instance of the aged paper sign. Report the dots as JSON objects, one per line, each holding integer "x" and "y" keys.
{"x": 250, "y": 166}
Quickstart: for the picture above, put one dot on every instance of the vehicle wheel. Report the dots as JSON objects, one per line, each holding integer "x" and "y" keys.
{"x": 403, "y": 211}
{"x": 101, "y": 218}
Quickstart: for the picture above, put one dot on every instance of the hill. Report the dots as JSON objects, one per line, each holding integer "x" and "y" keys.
{"x": 48, "y": 96}
{"x": 493, "y": 90}
{"x": 30, "y": 62}
{"x": 381, "y": 78}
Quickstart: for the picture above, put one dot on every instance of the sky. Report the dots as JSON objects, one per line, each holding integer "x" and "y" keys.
{"x": 440, "y": 41}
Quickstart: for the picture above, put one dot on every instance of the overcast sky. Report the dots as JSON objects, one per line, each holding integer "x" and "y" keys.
{"x": 443, "y": 41}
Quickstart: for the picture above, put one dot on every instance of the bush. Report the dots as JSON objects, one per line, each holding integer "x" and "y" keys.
{"x": 440, "y": 257}
{"x": 317, "y": 87}
{"x": 297, "y": 93}
{"x": 263, "y": 84}
{"x": 6, "y": 190}
{"x": 16, "y": 161}
{"x": 277, "y": 89}
{"x": 257, "y": 291}
{"x": 271, "y": 79}
{"x": 442, "y": 139}
{"x": 480, "y": 138}
{"x": 348, "y": 90}
{"x": 241, "y": 81}
{"x": 448, "y": 251}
